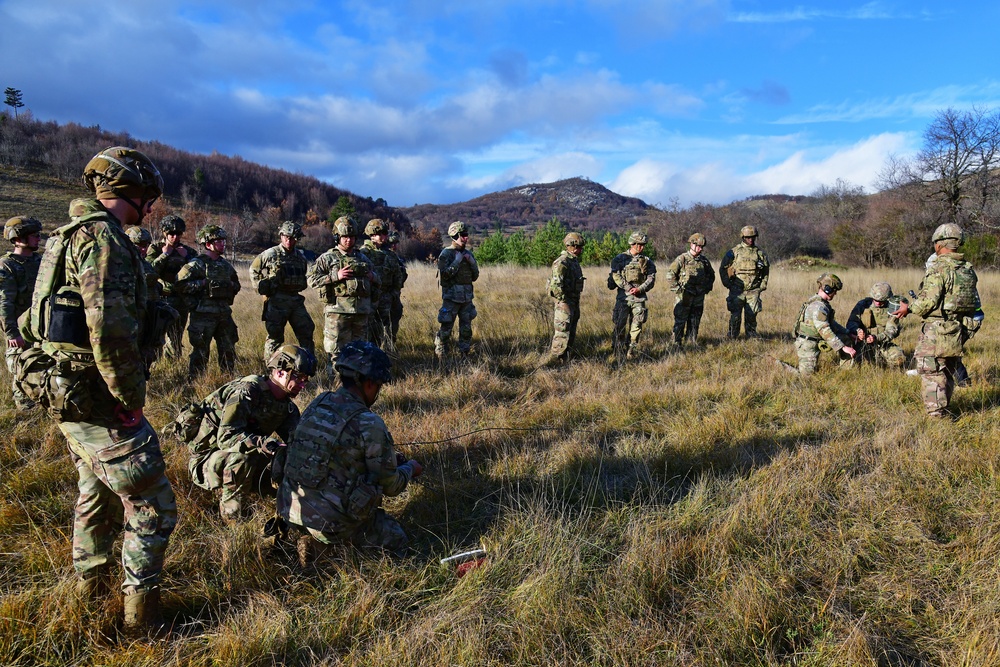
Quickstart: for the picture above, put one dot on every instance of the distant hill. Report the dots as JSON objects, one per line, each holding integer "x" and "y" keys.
{"x": 578, "y": 203}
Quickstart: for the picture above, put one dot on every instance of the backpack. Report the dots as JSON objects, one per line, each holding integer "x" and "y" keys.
{"x": 961, "y": 297}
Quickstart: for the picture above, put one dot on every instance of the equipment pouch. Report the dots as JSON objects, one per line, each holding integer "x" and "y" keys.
{"x": 362, "y": 501}
{"x": 947, "y": 338}
{"x": 67, "y": 320}
{"x": 69, "y": 392}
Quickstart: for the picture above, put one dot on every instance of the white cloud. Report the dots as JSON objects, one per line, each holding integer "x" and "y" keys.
{"x": 867, "y": 12}
{"x": 923, "y": 104}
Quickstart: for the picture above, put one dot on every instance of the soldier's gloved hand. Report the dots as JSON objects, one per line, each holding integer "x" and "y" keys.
{"x": 265, "y": 286}
{"x": 417, "y": 469}
{"x": 128, "y": 418}
{"x": 400, "y": 459}
{"x": 272, "y": 446}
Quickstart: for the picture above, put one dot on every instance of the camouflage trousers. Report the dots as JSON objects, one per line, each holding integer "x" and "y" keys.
{"x": 379, "y": 531}
{"x": 743, "y": 305}
{"x": 450, "y": 311}
{"x": 174, "y": 347}
{"x": 567, "y": 316}
{"x": 937, "y": 382}
{"x": 808, "y": 352}
{"x": 237, "y": 474}
{"x": 203, "y": 329}
{"x": 10, "y": 356}
{"x": 122, "y": 485}
{"x": 380, "y": 321}
{"x": 282, "y": 309}
{"x": 688, "y": 310}
{"x": 396, "y": 314}
{"x": 628, "y": 319}
{"x": 340, "y": 329}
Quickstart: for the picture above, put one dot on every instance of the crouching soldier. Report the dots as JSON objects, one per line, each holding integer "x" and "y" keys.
{"x": 875, "y": 324}
{"x": 341, "y": 462}
{"x": 245, "y": 424}
{"x": 815, "y": 328}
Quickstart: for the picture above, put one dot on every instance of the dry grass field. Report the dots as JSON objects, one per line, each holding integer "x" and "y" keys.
{"x": 696, "y": 508}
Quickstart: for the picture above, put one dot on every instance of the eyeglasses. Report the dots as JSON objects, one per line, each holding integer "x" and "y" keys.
{"x": 301, "y": 378}
{"x": 464, "y": 235}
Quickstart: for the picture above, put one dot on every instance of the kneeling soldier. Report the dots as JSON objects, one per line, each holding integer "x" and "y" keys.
{"x": 875, "y": 323}
{"x": 816, "y": 327}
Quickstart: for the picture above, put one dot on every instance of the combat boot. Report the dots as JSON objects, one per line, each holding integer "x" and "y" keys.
{"x": 93, "y": 586}
{"x": 142, "y": 614}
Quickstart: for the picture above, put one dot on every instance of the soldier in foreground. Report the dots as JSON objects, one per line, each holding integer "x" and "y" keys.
{"x": 213, "y": 283}
{"x": 168, "y": 258}
{"x": 341, "y": 462}
{"x": 279, "y": 275}
{"x": 565, "y": 286}
{"x": 98, "y": 276}
{"x": 690, "y": 277}
{"x": 949, "y": 307}
{"x": 245, "y": 424}
{"x": 344, "y": 279}
{"x": 457, "y": 269}
{"x": 18, "y": 270}
{"x": 744, "y": 272}
{"x": 396, "y": 310}
{"x": 875, "y": 325}
{"x": 816, "y": 329}
{"x": 390, "y": 272}
{"x": 633, "y": 274}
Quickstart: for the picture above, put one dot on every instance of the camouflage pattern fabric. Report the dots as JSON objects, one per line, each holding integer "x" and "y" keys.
{"x": 389, "y": 270}
{"x": 816, "y": 324}
{"x": 280, "y": 276}
{"x": 154, "y": 292}
{"x": 340, "y": 464}
{"x": 17, "y": 280}
{"x": 396, "y": 308}
{"x": 630, "y": 313}
{"x": 457, "y": 269}
{"x": 744, "y": 272}
{"x": 886, "y": 329}
{"x": 347, "y": 303}
{"x": 167, "y": 267}
{"x": 565, "y": 286}
{"x": 690, "y": 278}
{"x": 214, "y": 285}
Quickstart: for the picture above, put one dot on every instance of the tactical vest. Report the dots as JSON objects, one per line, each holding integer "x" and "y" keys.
{"x": 219, "y": 280}
{"x": 25, "y": 270}
{"x": 168, "y": 267}
{"x": 315, "y": 454}
{"x": 357, "y": 286}
{"x": 636, "y": 271}
{"x": 572, "y": 277}
{"x": 748, "y": 265}
{"x": 961, "y": 296}
{"x": 290, "y": 271}
{"x": 692, "y": 272}
{"x": 807, "y": 329}
{"x": 385, "y": 266}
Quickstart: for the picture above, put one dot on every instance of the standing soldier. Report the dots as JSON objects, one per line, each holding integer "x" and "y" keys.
{"x": 343, "y": 277}
{"x": 875, "y": 325}
{"x": 18, "y": 270}
{"x": 634, "y": 274}
{"x": 949, "y": 306}
{"x": 815, "y": 328}
{"x": 457, "y": 269}
{"x": 279, "y": 275}
{"x": 95, "y": 274}
{"x": 565, "y": 287}
{"x": 690, "y": 277}
{"x": 744, "y": 273}
{"x": 213, "y": 283}
{"x": 396, "y": 310}
{"x": 389, "y": 270}
{"x": 168, "y": 258}
{"x": 159, "y": 315}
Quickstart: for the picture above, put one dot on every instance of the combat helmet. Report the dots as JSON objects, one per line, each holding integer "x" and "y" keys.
{"x": 830, "y": 283}
{"x": 173, "y": 224}
{"x": 345, "y": 226}
{"x": 210, "y": 233}
{"x": 698, "y": 239}
{"x": 21, "y": 227}
{"x": 138, "y": 235}
{"x": 456, "y": 229}
{"x": 376, "y": 226}
{"x": 573, "y": 240}
{"x": 881, "y": 292}
{"x": 124, "y": 173}
{"x": 748, "y": 232}
{"x": 290, "y": 229}
{"x": 948, "y": 230}
{"x": 638, "y": 237}
{"x": 361, "y": 360}
{"x": 294, "y": 359}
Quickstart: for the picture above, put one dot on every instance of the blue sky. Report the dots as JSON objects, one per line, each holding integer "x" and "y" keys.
{"x": 418, "y": 101}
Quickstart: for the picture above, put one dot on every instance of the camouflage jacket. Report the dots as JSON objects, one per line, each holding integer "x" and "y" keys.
{"x": 402, "y": 272}
{"x": 348, "y": 296}
{"x": 816, "y": 323}
{"x": 17, "y": 280}
{"x": 745, "y": 268}
{"x": 277, "y": 271}
{"x": 168, "y": 266}
{"x": 628, "y": 270}
{"x": 566, "y": 283}
{"x": 246, "y": 415}
{"x": 340, "y": 464}
{"x": 213, "y": 282}
{"x": 387, "y": 266}
{"x": 939, "y": 286}
{"x": 874, "y": 321}
{"x": 457, "y": 269}
{"x": 692, "y": 275}
{"x": 154, "y": 290}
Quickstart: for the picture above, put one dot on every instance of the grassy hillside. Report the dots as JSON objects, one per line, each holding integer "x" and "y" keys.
{"x": 702, "y": 508}
{"x": 28, "y": 192}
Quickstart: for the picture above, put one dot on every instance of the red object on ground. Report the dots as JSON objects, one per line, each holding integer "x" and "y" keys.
{"x": 468, "y": 566}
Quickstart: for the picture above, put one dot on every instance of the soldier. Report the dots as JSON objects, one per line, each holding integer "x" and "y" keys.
{"x": 213, "y": 283}
{"x": 876, "y": 325}
{"x": 97, "y": 274}
{"x": 457, "y": 269}
{"x": 565, "y": 287}
{"x": 389, "y": 270}
{"x": 961, "y": 372}
{"x": 168, "y": 258}
{"x": 744, "y": 272}
{"x": 153, "y": 348}
{"x": 633, "y": 274}
{"x": 344, "y": 279}
{"x": 949, "y": 307}
{"x": 246, "y": 422}
{"x": 815, "y": 328}
{"x": 18, "y": 270}
{"x": 396, "y": 310}
{"x": 690, "y": 277}
{"x": 341, "y": 462}
{"x": 279, "y": 275}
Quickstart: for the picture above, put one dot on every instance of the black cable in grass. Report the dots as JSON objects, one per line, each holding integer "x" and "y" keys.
{"x": 538, "y": 429}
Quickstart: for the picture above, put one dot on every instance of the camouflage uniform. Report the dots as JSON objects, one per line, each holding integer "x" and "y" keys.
{"x": 167, "y": 267}
{"x": 235, "y": 445}
{"x": 391, "y": 275}
{"x": 214, "y": 285}
{"x": 628, "y": 270}
{"x": 457, "y": 269}
{"x": 690, "y": 277}
{"x": 341, "y": 462}
{"x": 396, "y": 308}
{"x": 17, "y": 280}
{"x": 565, "y": 286}
{"x": 280, "y": 276}
{"x": 815, "y": 327}
{"x": 876, "y": 321}
{"x": 744, "y": 272}
{"x": 347, "y": 303}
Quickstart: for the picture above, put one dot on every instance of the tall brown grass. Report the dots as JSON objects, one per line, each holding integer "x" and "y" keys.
{"x": 695, "y": 508}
